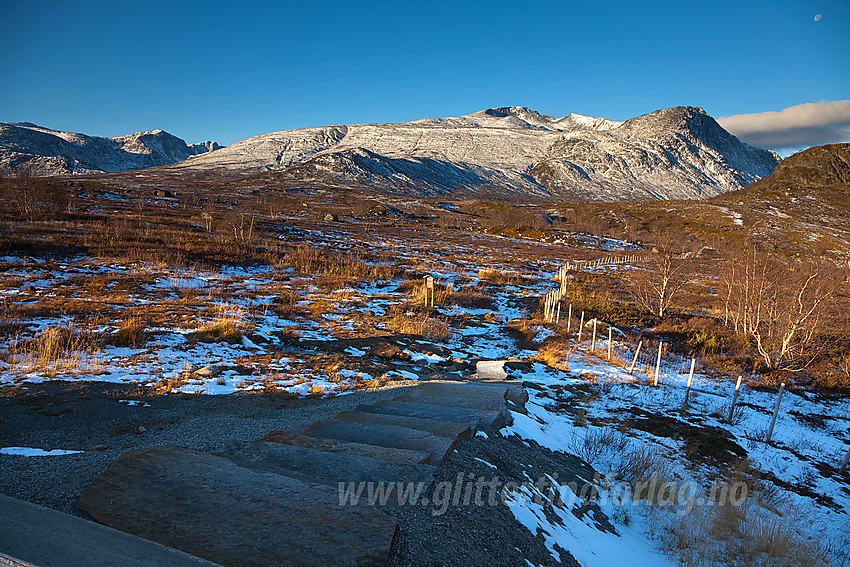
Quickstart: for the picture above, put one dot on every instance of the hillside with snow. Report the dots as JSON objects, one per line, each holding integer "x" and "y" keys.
{"x": 677, "y": 153}
{"x": 33, "y": 150}
{"x": 499, "y": 153}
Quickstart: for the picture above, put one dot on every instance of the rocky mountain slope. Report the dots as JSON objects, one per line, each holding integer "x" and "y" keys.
{"x": 811, "y": 186}
{"x": 677, "y": 153}
{"x": 27, "y": 148}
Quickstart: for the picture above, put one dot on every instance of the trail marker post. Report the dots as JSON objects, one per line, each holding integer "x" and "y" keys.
{"x": 429, "y": 286}
{"x": 775, "y": 412}
{"x": 734, "y": 399}
{"x": 657, "y": 364}
{"x": 690, "y": 380}
{"x": 634, "y": 360}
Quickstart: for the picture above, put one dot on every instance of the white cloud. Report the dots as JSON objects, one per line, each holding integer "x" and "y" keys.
{"x": 800, "y": 126}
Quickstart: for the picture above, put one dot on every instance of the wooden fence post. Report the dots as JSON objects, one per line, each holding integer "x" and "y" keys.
{"x": 609, "y": 343}
{"x": 775, "y": 412}
{"x": 581, "y": 326}
{"x": 657, "y": 364}
{"x": 734, "y": 399}
{"x": 593, "y": 342}
{"x": 558, "y": 316}
{"x": 570, "y": 319}
{"x": 634, "y": 361}
{"x": 690, "y": 380}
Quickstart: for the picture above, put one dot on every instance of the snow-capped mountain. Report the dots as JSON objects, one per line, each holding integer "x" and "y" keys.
{"x": 677, "y": 153}
{"x": 28, "y": 148}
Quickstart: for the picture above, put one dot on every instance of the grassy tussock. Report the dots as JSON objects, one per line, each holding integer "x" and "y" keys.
{"x": 131, "y": 333}
{"x": 228, "y": 327}
{"x": 426, "y": 325}
{"x": 55, "y": 349}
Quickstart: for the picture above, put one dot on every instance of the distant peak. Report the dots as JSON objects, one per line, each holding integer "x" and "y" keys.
{"x": 505, "y": 111}
{"x": 680, "y": 118}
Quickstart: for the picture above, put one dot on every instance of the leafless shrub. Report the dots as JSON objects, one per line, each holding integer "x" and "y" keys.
{"x": 596, "y": 443}
{"x": 779, "y": 307}
{"x": 662, "y": 277}
{"x": 641, "y": 467}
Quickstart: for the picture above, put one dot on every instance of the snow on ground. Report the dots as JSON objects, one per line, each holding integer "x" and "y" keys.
{"x": 596, "y": 410}
{"x": 32, "y": 452}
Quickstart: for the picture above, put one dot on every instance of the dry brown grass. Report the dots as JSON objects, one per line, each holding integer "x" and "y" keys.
{"x": 502, "y": 277}
{"x": 745, "y": 535}
{"x": 56, "y": 349}
{"x": 130, "y": 333}
{"x": 228, "y": 327}
{"x": 555, "y": 354}
{"x": 313, "y": 261}
{"x": 412, "y": 323}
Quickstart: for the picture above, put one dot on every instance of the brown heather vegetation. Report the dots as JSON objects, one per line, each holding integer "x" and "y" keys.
{"x": 701, "y": 311}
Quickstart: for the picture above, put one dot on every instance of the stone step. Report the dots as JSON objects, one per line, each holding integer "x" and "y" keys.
{"x": 513, "y": 391}
{"x": 327, "y": 468}
{"x": 478, "y": 419}
{"x": 338, "y": 446}
{"x": 472, "y": 403}
{"x": 450, "y": 429}
{"x": 210, "y": 507}
{"x": 384, "y": 435}
{"x": 38, "y": 536}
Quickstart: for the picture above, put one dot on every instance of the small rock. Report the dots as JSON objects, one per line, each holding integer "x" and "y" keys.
{"x": 98, "y": 448}
{"x": 210, "y": 371}
{"x": 142, "y": 429}
{"x": 331, "y": 218}
{"x": 387, "y": 351}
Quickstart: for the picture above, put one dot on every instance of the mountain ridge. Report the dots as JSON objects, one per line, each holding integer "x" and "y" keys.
{"x": 511, "y": 151}
{"x": 35, "y": 150}
{"x": 678, "y": 153}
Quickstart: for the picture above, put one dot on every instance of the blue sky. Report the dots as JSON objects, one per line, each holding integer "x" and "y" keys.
{"x": 230, "y": 70}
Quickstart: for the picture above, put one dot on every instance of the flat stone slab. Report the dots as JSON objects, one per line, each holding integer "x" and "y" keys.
{"x": 450, "y": 429}
{"x": 32, "y": 535}
{"x": 513, "y": 391}
{"x": 212, "y": 508}
{"x": 327, "y": 468}
{"x": 478, "y": 419}
{"x": 491, "y": 369}
{"x": 384, "y": 435}
{"x": 338, "y": 446}
{"x": 472, "y": 403}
